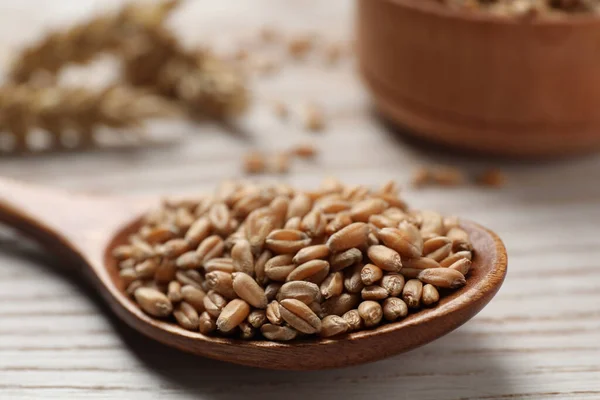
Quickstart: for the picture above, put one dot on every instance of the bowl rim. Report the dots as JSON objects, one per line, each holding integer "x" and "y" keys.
{"x": 434, "y": 8}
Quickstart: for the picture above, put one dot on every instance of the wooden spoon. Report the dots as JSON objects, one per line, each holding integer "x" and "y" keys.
{"x": 83, "y": 230}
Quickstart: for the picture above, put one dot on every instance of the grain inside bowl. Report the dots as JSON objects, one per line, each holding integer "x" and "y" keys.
{"x": 526, "y": 7}
{"x": 274, "y": 262}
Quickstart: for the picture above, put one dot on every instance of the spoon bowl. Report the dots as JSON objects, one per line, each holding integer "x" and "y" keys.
{"x": 83, "y": 231}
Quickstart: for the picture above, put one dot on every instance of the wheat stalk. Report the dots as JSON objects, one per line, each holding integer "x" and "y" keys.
{"x": 152, "y": 58}
{"x": 82, "y": 42}
{"x": 58, "y": 110}
{"x": 205, "y": 84}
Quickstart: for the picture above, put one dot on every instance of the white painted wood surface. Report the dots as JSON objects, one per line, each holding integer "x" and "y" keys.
{"x": 538, "y": 339}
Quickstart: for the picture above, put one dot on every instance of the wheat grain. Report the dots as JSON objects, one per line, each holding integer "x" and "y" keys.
{"x": 299, "y": 316}
{"x": 306, "y": 254}
{"x": 385, "y": 258}
{"x": 494, "y": 177}
{"x": 219, "y": 264}
{"x": 353, "y": 235}
{"x": 443, "y": 277}
{"x": 206, "y": 323}
{"x": 406, "y": 240}
{"x": 199, "y": 231}
{"x": 438, "y": 248}
{"x": 254, "y": 162}
{"x": 394, "y": 308}
{"x": 262, "y": 259}
{"x": 174, "y": 292}
{"x": 333, "y": 325}
{"x": 412, "y": 292}
{"x": 374, "y": 292}
{"x": 280, "y": 333}
{"x": 463, "y": 266}
{"x": 211, "y": 247}
{"x": 186, "y": 316}
{"x": 304, "y": 150}
{"x": 300, "y": 46}
{"x": 222, "y": 283}
{"x": 353, "y": 280}
{"x": 153, "y": 302}
{"x": 460, "y": 239}
{"x": 430, "y": 295}
{"x": 345, "y": 259}
{"x": 248, "y": 289}
{"x": 127, "y": 276}
{"x": 353, "y": 319}
{"x": 306, "y": 292}
{"x": 370, "y": 312}
{"x": 370, "y": 274}
{"x": 341, "y": 304}
{"x": 233, "y": 314}
{"x": 214, "y": 303}
{"x": 451, "y": 259}
{"x": 333, "y": 285}
{"x": 193, "y": 296}
{"x": 286, "y": 241}
{"x": 313, "y": 117}
{"x": 257, "y": 318}
{"x": 273, "y": 314}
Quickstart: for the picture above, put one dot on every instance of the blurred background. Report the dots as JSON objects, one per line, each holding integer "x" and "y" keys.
{"x": 297, "y": 61}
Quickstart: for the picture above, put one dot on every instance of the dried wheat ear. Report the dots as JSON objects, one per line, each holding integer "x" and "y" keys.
{"x": 61, "y": 111}
{"x": 527, "y": 7}
{"x": 82, "y": 42}
{"x": 151, "y": 55}
{"x": 202, "y": 82}
{"x": 269, "y": 261}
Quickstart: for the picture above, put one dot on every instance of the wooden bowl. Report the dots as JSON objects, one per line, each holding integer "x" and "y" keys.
{"x": 483, "y": 82}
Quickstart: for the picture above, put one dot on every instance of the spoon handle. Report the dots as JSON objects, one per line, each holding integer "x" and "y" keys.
{"x": 66, "y": 224}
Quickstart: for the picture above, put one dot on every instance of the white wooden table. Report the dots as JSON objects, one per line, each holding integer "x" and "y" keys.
{"x": 538, "y": 339}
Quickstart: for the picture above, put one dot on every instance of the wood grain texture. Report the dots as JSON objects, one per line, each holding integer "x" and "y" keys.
{"x": 538, "y": 338}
